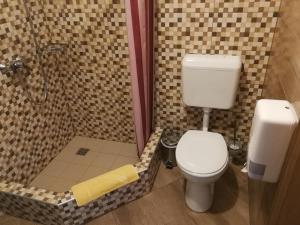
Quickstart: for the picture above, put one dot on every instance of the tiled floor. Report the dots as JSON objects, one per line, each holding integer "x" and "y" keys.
{"x": 165, "y": 204}
{"x": 69, "y": 168}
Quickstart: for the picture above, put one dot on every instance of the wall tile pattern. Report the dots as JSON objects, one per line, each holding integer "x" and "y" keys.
{"x": 31, "y": 135}
{"x": 52, "y": 208}
{"x": 238, "y": 27}
{"x": 89, "y": 83}
{"x": 94, "y": 70}
{"x": 96, "y": 65}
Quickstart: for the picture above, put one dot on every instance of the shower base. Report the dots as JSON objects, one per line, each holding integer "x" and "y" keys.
{"x": 60, "y": 208}
{"x": 84, "y": 158}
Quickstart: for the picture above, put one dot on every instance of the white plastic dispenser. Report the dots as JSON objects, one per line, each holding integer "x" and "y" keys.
{"x": 273, "y": 125}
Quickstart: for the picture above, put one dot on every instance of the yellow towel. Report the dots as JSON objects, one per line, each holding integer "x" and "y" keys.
{"x": 93, "y": 188}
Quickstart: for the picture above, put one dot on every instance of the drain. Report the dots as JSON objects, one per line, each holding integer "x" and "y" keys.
{"x": 82, "y": 151}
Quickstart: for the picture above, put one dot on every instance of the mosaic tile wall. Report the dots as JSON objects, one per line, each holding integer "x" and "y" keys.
{"x": 52, "y": 208}
{"x": 89, "y": 83}
{"x": 30, "y": 135}
{"x": 96, "y": 65}
{"x": 238, "y": 27}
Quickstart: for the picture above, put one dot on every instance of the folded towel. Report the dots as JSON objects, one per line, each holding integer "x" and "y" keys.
{"x": 93, "y": 188}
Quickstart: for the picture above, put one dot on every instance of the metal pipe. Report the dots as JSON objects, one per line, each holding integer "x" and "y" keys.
{"x": 205, "y": 123}
{"x": 39, "y": 56}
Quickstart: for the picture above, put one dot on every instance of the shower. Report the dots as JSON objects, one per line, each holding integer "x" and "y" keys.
{"x": 74, "y": 108}
{"x": 39, "y": 59}
{"x": 19, "y": 70}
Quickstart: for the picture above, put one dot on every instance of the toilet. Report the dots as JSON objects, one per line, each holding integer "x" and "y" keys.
{"x": 209, "y": 82}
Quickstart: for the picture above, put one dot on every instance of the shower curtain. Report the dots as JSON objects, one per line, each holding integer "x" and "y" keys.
{"x": 139, "y": 14}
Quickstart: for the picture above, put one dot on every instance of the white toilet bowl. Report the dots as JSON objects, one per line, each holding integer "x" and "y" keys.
{"x": 202, "y": 158}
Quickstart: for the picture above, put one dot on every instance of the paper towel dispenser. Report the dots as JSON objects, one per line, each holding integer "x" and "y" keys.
{"x": 273, "y": 125}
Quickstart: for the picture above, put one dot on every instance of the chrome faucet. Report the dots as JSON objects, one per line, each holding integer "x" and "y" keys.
{"x": 4, "y": 69}
{"x": 16, "y": 63}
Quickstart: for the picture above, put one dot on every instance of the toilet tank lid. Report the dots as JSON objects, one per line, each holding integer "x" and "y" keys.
{"x": 222, "y": 62}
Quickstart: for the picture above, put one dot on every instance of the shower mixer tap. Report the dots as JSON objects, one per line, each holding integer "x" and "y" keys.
{"x": 3, "y": 69}
{"x": 16, "y": 63}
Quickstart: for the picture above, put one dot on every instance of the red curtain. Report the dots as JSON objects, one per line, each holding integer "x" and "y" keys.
{"x": 140, "y": 16}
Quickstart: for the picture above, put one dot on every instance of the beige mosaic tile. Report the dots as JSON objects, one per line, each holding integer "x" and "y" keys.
{"x": 238, "y": 27}
{"x": 96, "y": 65}
{"x": 89, "y": 83}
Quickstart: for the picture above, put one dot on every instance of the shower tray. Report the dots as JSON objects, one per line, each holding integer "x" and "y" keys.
{"x": 55, "y": 208}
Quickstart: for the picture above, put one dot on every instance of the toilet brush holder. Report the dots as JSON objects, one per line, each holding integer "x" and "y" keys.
{"x": 169, "y": 141}
{"x": 237, "y": 153}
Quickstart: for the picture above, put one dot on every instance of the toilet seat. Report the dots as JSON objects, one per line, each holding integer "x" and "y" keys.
{"x": 202, "y": 153}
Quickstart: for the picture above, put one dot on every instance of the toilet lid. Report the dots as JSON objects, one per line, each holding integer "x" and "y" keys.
{"x": 201, "y": 152}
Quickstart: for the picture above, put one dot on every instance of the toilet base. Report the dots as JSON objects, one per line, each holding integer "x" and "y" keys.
{"x": 198, "y": 196}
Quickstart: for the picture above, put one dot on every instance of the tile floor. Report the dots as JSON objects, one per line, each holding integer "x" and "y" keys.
{"x": 165, "y": 204}
{"x": 69, "y": 168}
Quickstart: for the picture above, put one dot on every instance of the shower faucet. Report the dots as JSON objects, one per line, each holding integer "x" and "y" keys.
{"x": 4, "y": 68}
{"x": 16, "y": 63}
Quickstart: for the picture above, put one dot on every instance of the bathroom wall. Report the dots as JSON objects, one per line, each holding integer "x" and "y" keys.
{"x": 282, "y": 82}
{"x": 30, "y": 135}
{"x": 283, "y": 76}
{"x": 94, "y": 75}
{"x": 89, "y": 83}
{"x": 243, "y": 28}
{"x": 96, "y": 65}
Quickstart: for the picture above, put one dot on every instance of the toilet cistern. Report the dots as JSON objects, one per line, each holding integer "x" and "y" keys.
{"x": 210, "y": 82}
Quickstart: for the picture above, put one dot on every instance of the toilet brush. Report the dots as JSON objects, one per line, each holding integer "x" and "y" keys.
{"x": 234, "y": 145}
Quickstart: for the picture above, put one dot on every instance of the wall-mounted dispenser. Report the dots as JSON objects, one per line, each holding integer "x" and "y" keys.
{"x": 273, "y": 125}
